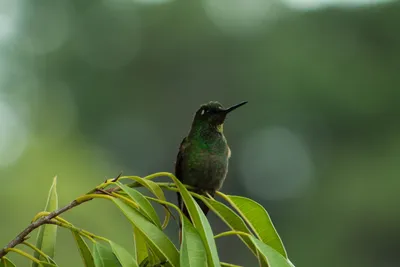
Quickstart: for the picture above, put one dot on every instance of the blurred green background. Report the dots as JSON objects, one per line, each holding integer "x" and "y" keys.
{"x": 90, "y": 88}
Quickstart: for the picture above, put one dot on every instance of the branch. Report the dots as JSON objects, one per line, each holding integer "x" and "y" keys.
{"x": 46, "y": 219}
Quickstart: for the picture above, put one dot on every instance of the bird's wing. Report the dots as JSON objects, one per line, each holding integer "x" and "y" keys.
{"x": 178, "y": 166}
{"x": 178, "y": 173}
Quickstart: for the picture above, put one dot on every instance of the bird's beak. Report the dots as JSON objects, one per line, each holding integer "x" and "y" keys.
{"x": 226, "y": 111}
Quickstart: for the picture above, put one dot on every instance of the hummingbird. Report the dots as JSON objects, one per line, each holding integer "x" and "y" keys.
{"x": 203, "y": 156}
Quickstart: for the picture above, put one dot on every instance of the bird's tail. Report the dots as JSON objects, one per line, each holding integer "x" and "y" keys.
{"x": 184, "y": 210}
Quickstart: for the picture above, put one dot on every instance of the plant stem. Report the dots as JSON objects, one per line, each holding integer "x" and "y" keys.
{"x": 23, "y": 253}
{"x": 36, "y": 249}
{"x": 98, "y": 192}
{"x": 21, "y": 237}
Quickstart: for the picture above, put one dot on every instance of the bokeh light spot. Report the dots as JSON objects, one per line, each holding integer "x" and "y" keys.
{"x": 13, "y": 135}
{"x": 44, "y": 27}
{"x": 6, "y": 26}
{"x": 276, "y": 165}
{"x": 313, "y": 4}
{"x": 8, "y": 15}
{"x": 241, "y": 17}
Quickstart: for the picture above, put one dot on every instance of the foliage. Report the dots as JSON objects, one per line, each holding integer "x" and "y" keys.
{"x": 247, "y": 219}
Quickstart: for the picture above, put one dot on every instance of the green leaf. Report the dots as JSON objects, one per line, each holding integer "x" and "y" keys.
{"x": 144, "y": 205}
{"x": 231, "y": 219}
{"x": 258, "y": 220}
{"x": 84, "y": 251}
{"x": 224, "y": 264}
{"x": 5, "y": 262}
{"x": 235, "y": 222}
{"x": 140, "y": 248}
{"x": 156, "y": 190}
{"x": 200, "y": 222}
{"x": 274, "y": 258}
{"x": 154, "y": 237}
{"x": 104, "y": 256}
{"x": 48, "y": 259}
{"x": 123, "y": 256}
{"x": 47, "y": 264}
{"x": 153, "y": 260}
{"x": 47, "y": 235}
{"x": 144, "y": 263}
{"x": 193, "y": 253}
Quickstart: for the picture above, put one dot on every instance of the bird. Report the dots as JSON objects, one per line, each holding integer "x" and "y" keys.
{"x": 203, "y": 156}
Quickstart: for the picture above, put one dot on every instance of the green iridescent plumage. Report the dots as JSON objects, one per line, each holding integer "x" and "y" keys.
{"x": 203, "y": 156}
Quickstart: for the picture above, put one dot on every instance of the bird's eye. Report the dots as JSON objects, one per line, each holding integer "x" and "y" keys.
{"x": 204, "y": 111}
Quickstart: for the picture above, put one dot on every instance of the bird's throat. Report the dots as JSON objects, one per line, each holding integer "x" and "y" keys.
{"x": 209, "y": 137}
{"x": 220, "y": 128}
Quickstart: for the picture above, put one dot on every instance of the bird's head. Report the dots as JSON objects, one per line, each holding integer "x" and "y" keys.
{"x": 214, "y": 114}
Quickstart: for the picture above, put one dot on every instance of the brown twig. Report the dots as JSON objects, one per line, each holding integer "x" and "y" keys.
{"x": 104, "y": 191}
{"x": 21, "y": 237}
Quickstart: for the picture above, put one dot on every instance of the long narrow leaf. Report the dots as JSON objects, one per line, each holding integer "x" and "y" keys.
{"x": 156, "y": 190}
{"x": 155, "y": 237}
{"x": 145, "y": 263}
{"x": 231, "y": 219}
{"x": 140, "y": 248}
{"x": 84, "y": 251}
{"x": 47, "y": 235}
{"x": 258, "y": 220}
{"x": 5, "y": 262}
{"x": 47, "y": 264}
{"x": 153, "y": 259}
{"x": 123, "y": 256}
{"x": 193, "y": 253}
{"x": 48, "y": 259}
{"x": 145, "y": 206}
{"x": 235, "y": 222}
{"x": 200, "y": 222}
{"x": 224, "y": 264}
{"x": 104, "y": 256}
{"x": 274, "y": 258}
